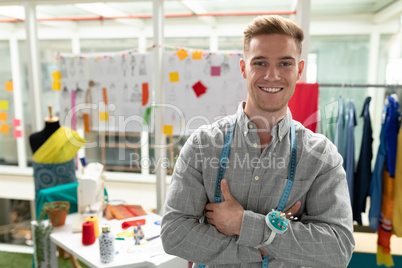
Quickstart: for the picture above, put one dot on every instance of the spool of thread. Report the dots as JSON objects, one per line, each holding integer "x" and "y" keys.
{"x": 94, "y": 219}
{"x": 88, "y": 234}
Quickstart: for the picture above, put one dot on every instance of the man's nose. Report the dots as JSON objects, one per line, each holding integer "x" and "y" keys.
{"x": 272, "y": 74}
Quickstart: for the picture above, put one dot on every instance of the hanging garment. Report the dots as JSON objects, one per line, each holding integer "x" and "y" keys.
{"x": 397, "y": 216}
{"x": 391, "y": 134}
{"x": 385, "y": 229}
{"x": 363, "y": 172}
{"x": 328, "y": 125}
{"x": 304, "y": 105}
{"x": 375, "y": 191}
{"x": 350, "y": 149}
{"x": 340, "y": 137}
{"x": 53, "y": 163}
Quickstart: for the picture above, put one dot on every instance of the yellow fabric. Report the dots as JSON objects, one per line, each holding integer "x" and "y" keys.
{"x": 384, "y": 258}
{"x": 397, "y": 214}
{"x": 60, "y": 147}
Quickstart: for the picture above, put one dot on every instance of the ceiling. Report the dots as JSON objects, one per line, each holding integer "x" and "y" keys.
{"x": 124, "y": 11}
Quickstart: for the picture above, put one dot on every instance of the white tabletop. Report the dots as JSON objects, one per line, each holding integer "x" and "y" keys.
{"x": 127, "y": 254}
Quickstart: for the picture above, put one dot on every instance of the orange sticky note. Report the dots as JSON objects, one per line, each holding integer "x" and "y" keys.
{"x": 168, "y": 129}
{"x": 3, "y": 116}
{"x": 104, "y": 90}
{"x": 182, "y": 54}
{"x": 4, "y": 105}
{"x": 197, "y": 55}
{"x": 103, "y": 116}
{"x": 17, "y": 133}
{"x": 174, "y": 77}
{"x": 4, "y": 128}
{"x": 86, "y": 123}
{"x": 56, "y": 85}
{"x": 56, "y": 75}
{"x": 145, "y": 94}
{"x": 9, "y": 86}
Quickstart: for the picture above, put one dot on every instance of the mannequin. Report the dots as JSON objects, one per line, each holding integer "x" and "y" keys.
{"x": 51, "y": 125}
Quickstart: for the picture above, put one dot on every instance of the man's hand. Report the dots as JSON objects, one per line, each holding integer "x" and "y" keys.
{"x": 289, "y": 213}
{"x": 226, "y": 216}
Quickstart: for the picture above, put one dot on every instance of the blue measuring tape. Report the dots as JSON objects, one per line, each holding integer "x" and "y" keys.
{"x": 289, "y": 184}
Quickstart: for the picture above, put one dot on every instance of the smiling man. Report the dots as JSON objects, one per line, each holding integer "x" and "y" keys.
{"x": 231, "y": 214}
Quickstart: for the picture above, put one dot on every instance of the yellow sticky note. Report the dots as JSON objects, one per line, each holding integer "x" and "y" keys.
{"x": 103, "y": 116}
{"x": 4, "y": 105}
{"x": 174, "y": 77}
{"x": 3, "y": 116}
{"x": 9, "y": 86}
{"x": 182, "y": 54}
{"x": 197, "y": 55}
{"x": 56, "y": 85}
{"x": 56, "y": 75}
{"x": 168, "y": 129}
{"x": 4, "y": 128}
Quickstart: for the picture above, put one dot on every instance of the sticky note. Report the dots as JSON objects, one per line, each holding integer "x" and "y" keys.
{"x": 215, "y": 70}
{"x": 4, "y": 128}
{"x": 182, "y": 54}
{"x": 147, "y": 114}
{"x": 103, "y": 116}
{"x": 168, "y": 129}
{"x": 199, "y": 89}
{"x": 56, "y": 85}
{"x": 17, "y": 133}
{"x": 4, "y": 105}
{"x": 104, "y": 90}
{"x": 174, "y": 77}
{"x": 56, "y": 75}
{"x": 145, "y": 94}
{"x": 86, "y": 123}
{"x": 197, "y": 55}
{"x": 9, "y": 86}
{"x": 16, "y": 122}
{"x": 3, "y": 116}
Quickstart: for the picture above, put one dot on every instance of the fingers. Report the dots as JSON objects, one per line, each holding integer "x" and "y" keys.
{"x": 293, "y": 209}
{"x": 225, "y": 190}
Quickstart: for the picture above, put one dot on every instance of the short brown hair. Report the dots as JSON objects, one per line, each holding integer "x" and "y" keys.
{"x": 272, "y": 25}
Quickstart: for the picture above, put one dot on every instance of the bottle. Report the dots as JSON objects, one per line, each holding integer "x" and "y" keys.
{"x": 106, "y": 244}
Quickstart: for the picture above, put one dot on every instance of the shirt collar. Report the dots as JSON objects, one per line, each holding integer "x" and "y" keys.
{"x": 278, "y": 131}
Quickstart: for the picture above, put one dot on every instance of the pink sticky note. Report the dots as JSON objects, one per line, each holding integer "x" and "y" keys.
{"x": 215, "y": 70}
{"x": 16, "y": 122}
{"x": 17, "y": 133}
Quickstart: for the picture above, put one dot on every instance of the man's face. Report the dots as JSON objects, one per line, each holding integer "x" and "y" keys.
{"x": 272, "y": 67}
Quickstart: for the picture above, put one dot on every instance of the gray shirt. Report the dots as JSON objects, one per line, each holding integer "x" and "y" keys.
{"x": 323, "y": 235}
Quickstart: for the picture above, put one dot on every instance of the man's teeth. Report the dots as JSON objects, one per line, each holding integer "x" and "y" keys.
{"x": 271, "y": 89}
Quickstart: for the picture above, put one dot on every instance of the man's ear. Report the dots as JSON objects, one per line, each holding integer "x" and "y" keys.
{"x": 243, "y": 68}
{"x": 300, "y": 69}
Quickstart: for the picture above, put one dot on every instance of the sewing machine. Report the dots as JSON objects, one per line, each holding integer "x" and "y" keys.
{"x": 90, "y": 194}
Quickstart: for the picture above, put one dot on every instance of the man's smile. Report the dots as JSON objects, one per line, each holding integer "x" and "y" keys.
{"x": 271, "y": 89}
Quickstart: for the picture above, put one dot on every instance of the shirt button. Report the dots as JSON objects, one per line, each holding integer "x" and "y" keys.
{"x": 256, "y": 178}
{"x": 255, "y": 145}
{"x": 250, "y": 126}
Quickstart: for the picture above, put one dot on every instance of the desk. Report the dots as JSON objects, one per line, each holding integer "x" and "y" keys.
{"x": 129, "y": 255}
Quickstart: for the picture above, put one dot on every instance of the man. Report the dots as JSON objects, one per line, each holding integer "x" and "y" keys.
{"x": 237, "y": 232}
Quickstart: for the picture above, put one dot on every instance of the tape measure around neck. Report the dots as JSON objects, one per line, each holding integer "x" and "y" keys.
{"x": 223, "y": 161}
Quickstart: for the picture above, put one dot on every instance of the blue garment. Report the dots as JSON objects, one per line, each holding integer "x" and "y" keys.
{"x": 363, "y": 172}
{"x": 350, "y": 149}
{"x": 340, "y": 137}
{"x": 386, "y": 156}
{"x": 49, "y": 175}
{"x": 391, "y": 134}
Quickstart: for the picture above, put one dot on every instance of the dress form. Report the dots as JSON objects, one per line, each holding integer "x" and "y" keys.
{"x": 51, "y": 125}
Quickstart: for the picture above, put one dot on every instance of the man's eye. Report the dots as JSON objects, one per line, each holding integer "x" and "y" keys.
{"x": 285, "y": 64}
{"x": 259, "y": 63}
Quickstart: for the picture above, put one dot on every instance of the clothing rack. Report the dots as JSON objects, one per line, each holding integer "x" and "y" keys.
{"x": 359, "y": 85}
